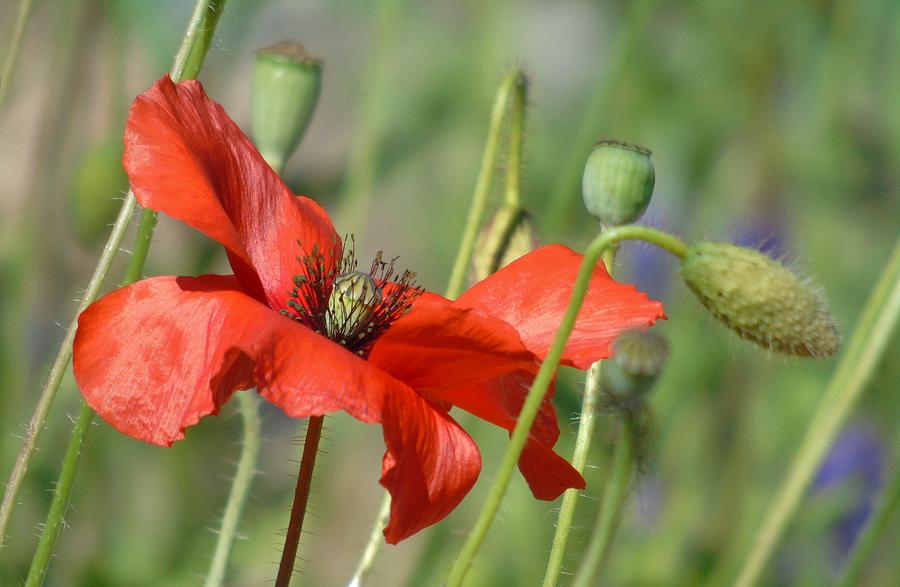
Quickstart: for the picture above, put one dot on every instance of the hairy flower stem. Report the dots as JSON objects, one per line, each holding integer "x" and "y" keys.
{"x": 511, "y": 81}
{"x": 516, "y": 84}
{"x": 610, "y": 510}
{"x": 586, "y": 425}
{"x": 866, "y": 347}
{"x": 240, "y": 488}
{"x": 15, "y": 44}
{"x": 565, "y": 192}
{"x": 187, "y": 65}
{"x": 542, "y": 381}
{"x": 301, "y": 498}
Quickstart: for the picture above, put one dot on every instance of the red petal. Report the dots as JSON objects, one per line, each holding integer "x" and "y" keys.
{"x": 437, "y": 346}
{"x": 430, "y": 464}
{"x": 532, "y": 293}
{"x": 499, "y": 401}
{"x": 154, "y": 357}
{"x": 187, "y": 158}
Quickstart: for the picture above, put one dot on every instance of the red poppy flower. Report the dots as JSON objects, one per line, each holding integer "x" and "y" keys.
{"x": 297, "y": 322}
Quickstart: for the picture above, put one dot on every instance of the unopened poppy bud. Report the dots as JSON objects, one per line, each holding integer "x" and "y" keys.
{"x": 618, "y": 182}
{"x": 286, "y": 84}
{"x": 638, "y": 358}
{"x": 353, "y": 297}
{"x": 508, "y": 235}
{"x": 760, "y": 299}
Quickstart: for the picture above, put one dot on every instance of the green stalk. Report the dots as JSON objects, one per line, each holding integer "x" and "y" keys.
{"x": 542, "y": 381}
{"x": 565, "y": 192}
{"x": 610, "y": 511}
{"x": 508, "y": 86}
{"x": 187, "y": 65}
{"x": 15, "y": 44}
{"x": 516, "y": 84}
{"x": 61, "y": 496}
{"x": 240, "y": 489}
{"x": 872, "y": 533}
{"x": 579, "y": 458}
{"x": 866, "y": 347}
{"x": 585, "y": 434}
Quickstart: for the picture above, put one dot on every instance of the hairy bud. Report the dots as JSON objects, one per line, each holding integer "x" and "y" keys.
{"x": 760, "y": 299}
{"x": 508, "y": 235}
{"x": 638, "y": 358}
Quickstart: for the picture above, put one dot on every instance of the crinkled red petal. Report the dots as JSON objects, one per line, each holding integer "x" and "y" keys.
{"x": 185, "y": 157}
{"x": 532, "y": 294}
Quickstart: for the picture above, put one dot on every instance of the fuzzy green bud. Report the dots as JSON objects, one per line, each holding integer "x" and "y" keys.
{"x": 286, "y": 83}
{"x": 353, "y": 297}
{"x": 618, "y": 182}
{"x": 638, "y": 358}
{"x": 508, "y": 235}
{"x": 760, "y": 299}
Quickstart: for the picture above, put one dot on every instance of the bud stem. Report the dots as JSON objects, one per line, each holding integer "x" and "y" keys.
{"x": 586, "y": 425}
{"x": 516, "y": 140}
{"x": 15, "y": 44}
{"x": 866, "y": 347}
{"x": 187, "y": 65}
{"x": 542, "y": 382}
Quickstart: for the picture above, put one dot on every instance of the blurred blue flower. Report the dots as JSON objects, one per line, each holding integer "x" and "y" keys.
{"x": 856, "y": 457}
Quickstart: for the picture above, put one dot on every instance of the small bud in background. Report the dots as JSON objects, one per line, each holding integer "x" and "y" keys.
{"x": 618, "y": 182}
{"x": 638, "y": 358}
{"x": 286, "y": 85}
{"x": 508, "y": 235}
{"x": 353, "y": 297}
{"x": 97, "y": 188}
{"x": 760, "y": 299}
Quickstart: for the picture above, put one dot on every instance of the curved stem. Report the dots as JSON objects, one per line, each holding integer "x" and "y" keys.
{"x": 887, "y": 506}
{"x": 866, "y": 347}
{"x": 60, "y": 365}
{"x": 240, "y": 488}
{"x": 566, "y": 190}
{"x": 15, "y": 44}
{"x": 301, "y": 498}
{"x": 373, "y": 546}
{"x": 542, "y": 381}
{"x": 586, "y": 425}
{"x": 610, "y": 511}
{"x": 482, "y": 184}
{"x": 187, "y": 65}
{"x": 61, "y": 497}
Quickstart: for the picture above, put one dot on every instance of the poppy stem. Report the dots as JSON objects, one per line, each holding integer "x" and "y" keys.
{"x": 541, "y": 383}
{"x": 187, "y": 64}
{"x": 15, "y": 44}
{"x": 301, "y": 498}
{"x": 610, "y": 510}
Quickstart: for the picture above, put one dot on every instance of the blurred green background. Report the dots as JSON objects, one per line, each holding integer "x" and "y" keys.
{"x": 774, "y": 123}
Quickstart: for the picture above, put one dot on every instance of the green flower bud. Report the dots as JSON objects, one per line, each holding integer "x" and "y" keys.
{"x": 638, "y": 358}
{"x": 286, "y": 84}
{"x": 760, "y": 299}
{"x": 508, "y": 235}
{"x": 618, "y": 182}
{"x": 353, "y": 298}
{"x": 98, "y": 184}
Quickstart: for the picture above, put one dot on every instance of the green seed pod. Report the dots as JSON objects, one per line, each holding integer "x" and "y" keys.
{"x": 353, "y": 297}
{"x": 760, "y": 299}
{"x": 618, "y": 182}
{"x": 638, "y": 358}
{"x": 286, "y": 85}
{"x": 508, "y": 235}
{"x": 97, "y": 187}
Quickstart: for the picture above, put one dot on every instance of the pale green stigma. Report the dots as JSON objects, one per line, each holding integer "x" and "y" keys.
{"x": 353, "y": 297}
